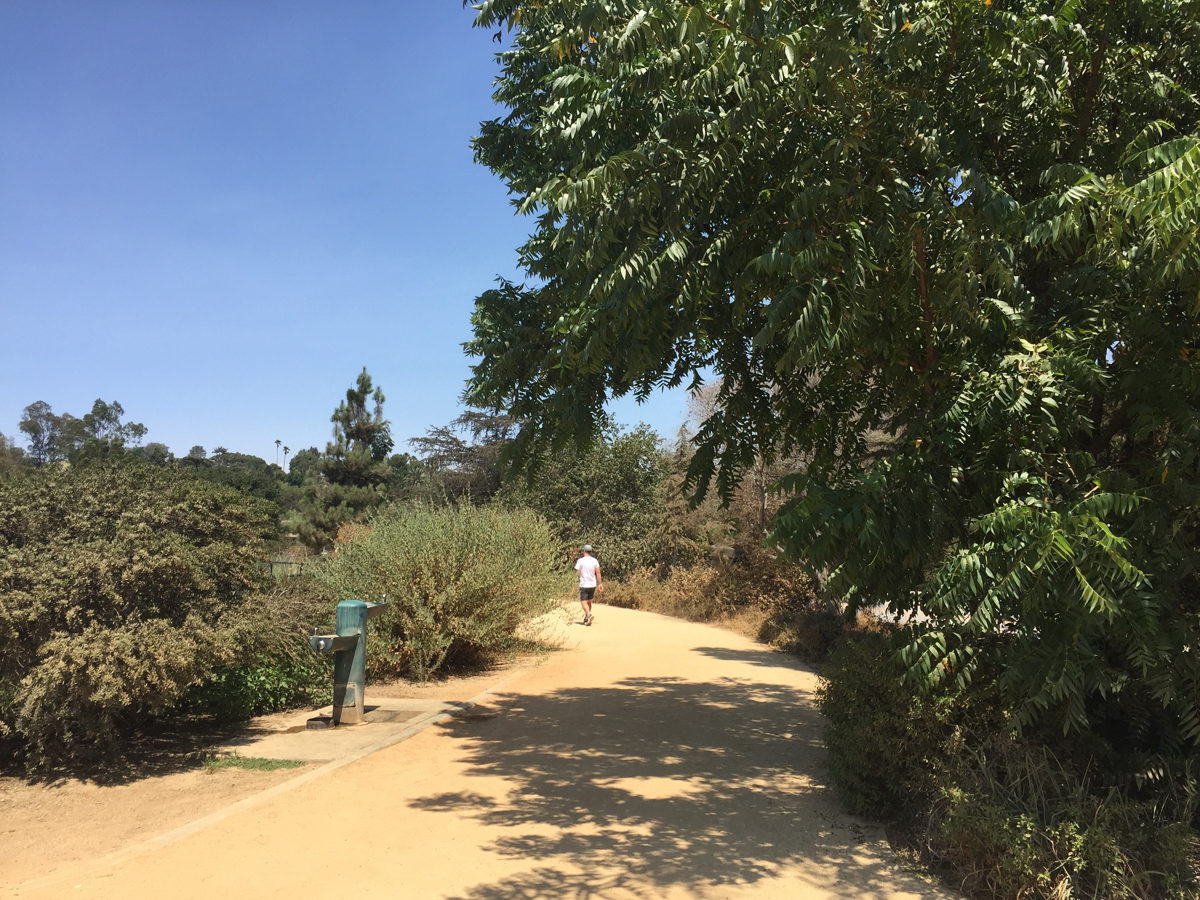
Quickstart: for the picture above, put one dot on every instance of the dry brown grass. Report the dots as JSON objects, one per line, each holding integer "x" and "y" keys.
{"x": 351, "y": 533}
{"x": 759, "y": 596}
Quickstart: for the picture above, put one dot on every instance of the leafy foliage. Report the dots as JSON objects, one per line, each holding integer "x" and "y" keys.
{"x": 1001, "y": 818}
{"x": 609, "y": 495}
{"x": 119, "y": 588}
{"x": 459, "y": 582}
{"x": 969, "y": 227}
{"x": 98, "y": 435}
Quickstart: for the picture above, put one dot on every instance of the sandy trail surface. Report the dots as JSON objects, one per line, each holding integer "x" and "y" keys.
{"x": 650, "y": 758}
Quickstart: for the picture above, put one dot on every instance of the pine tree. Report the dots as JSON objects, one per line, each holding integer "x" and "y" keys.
{"x": 354, "y": 476}
{"x": 362, "y": 438}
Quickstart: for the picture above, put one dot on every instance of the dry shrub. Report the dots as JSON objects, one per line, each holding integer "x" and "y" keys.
{"x": 351, "y": 533}
{"x": 682, "y": 593}
{"x": 758, "y": 594}
{"x": 459, "y": 582}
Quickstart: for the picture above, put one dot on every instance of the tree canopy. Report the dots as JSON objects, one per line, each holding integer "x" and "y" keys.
{"x": 967, "y": 227}
{"x": 613, "y": 495}
{"x": 462, "y": 459}
{"x": 98, "y": 435}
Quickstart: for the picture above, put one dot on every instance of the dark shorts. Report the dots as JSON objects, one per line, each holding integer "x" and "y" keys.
{"x": 586, "y": 594}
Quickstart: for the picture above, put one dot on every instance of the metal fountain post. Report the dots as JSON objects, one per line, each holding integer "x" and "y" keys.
{"x": 349, "y": 648}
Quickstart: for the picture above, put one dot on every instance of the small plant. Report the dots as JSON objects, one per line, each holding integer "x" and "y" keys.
{"x": 253, "y": 763}
{"x": 270, "y": 683}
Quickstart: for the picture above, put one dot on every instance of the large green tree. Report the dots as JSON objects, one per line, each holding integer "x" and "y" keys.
{"x": 462, "y": 459}
{"x": 969, "y": 227}
{"x": 248, "y": 474}
{"x": 98, "y": 435}
{"x": 611, "y": 495}
{"x": 304, "y": 463}
{"x": 42, "y": 429}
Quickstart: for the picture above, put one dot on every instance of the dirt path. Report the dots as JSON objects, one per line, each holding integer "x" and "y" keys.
{"x": 653, "y": 758}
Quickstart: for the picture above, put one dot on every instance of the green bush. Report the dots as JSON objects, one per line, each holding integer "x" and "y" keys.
{"x": 459, "y": 582}
{"x": 120, "y": 587}
{"x": 276, "y": 669}
{"x": 270, "y": 683}
{"x": 1002, "y": 817}
{"x": 883, "y": 740}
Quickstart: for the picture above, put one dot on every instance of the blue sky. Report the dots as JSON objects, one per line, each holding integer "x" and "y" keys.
{"x": 217, "y": 213}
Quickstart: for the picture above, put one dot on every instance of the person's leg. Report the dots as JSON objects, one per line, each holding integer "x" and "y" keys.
{"x": 585, "y": 600}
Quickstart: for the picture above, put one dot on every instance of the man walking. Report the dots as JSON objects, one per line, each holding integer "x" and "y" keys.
{"x": 588, "y": 568}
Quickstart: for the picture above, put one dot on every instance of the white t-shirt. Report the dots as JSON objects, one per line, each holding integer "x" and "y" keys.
{"x": 586, "y": 567}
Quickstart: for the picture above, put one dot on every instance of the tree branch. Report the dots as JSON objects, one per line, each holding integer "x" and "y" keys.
{"x": 722, "y": 24}
{"x": 926, "y": 306}
{"x": 1089, "y": 100}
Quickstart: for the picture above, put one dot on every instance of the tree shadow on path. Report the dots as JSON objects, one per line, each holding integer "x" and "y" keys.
{"x": 656, "y": 785}
{"x": 770, "y": 659}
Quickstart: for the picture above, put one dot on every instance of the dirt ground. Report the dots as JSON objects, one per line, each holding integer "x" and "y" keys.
{"x": 43, "y": 826}
{"x": 650, "y": 758}
{"x": 46, "y": 823}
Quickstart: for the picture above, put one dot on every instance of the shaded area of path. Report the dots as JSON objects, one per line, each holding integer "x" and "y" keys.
{"x": 652, "y": 758}
{"x": 653, "y": 783}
